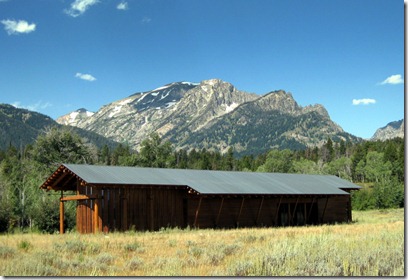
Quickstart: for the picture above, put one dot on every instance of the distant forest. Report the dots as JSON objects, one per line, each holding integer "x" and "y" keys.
{"x": 376, "y": 166}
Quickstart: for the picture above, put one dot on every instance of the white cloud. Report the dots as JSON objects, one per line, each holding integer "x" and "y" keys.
{"x": 146, "y": 20}
{"x": 122, "y": 6}
{"x": 15, "y": 27}
{"x": 86, "y": 77}
{"x": 33, "y": 107}
{"x": 78, "y": 7}
{"x": 393, "y": 80}
{"x": 364, "y": 101}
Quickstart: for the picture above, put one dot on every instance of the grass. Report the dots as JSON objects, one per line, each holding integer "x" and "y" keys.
{"x": 373, "y": 245}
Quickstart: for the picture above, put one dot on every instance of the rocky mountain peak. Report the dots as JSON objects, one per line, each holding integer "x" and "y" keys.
{"x": 279, "y": 100}
{"x": 391, "y": 130}
{"x": 74, "y": 118}
{"x": 316, "y": 108}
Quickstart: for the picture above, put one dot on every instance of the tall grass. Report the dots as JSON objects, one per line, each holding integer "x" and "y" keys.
{"x": 373, "y": 245}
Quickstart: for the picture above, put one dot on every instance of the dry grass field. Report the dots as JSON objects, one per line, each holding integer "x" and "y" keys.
{"x": 373, "y": 245}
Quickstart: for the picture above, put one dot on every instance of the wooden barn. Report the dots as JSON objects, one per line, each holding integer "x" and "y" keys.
{"x": 112, "y": 198}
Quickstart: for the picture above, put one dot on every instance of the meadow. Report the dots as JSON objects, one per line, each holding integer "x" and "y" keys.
{"x": 373, "y": 245}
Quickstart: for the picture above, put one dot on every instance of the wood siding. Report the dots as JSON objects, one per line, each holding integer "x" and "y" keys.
{"x": 121, "y": 208}
{"x": 230, "y": 212}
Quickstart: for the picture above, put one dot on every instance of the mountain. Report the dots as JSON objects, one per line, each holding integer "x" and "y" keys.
{"x": 22, "y": 127}
{"x": 391, "y": 130}
{"x": 213, "y": 114}
{"x": 75, "y": 117}
{"x": 274, "y": 120}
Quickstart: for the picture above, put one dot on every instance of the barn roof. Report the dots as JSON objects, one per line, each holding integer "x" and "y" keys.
{"x": 204, "y": 181}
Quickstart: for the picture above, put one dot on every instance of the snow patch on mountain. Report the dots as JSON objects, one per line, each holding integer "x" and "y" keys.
{"x": 231, "y": 107}
{"x": 115, "y": 111}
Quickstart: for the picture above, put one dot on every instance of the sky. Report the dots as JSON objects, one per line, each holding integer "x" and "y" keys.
{"x": 348, "y": 55}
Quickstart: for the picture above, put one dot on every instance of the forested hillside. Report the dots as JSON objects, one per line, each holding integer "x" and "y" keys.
{"x": 20, "y": 127}
{"x": 377, "y": 166}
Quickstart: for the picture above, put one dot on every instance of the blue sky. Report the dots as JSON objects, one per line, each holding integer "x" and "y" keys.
{"x": 348, "y": 55}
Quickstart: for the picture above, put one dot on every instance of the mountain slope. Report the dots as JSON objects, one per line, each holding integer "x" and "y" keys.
{"x": 213, "y": 114}
{"x": 273, "y": 121}
{"x": 175, "y": 106}
{"x": 20, "y": 127}
{"x": 391, "y": 130}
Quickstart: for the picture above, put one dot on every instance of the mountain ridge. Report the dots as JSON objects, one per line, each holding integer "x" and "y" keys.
{"x": 19, "y": 127}
{"x": 186, "y": 113}
{"x": 391, "y": 130}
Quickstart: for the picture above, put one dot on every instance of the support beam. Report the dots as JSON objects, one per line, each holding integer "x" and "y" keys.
{"x": 197, "y": 211}
{"x": 219, "y": 213}
{"x": 79, "y": 197}
{"x": 125, "y": 209}
{"x": 96, "y": 216}
{"x": 151, "y": 206}
{"x": 324, "y": 210}
{"x": 294, "y": 211}
{"x": 310, "y": 211}
{"x": 259, "y": 211}
{"x": 61, "y": 214}
{"x": 240, "y": 211}
{"x": 277, "y": 211}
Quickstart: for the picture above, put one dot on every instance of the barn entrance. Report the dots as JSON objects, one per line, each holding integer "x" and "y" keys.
{"x": 297, "y": 214}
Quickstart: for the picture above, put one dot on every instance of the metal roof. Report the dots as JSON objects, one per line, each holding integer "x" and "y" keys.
{"x": 213, "y": 182}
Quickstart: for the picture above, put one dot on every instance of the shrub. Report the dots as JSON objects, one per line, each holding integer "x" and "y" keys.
{"x": 24, "y": 245}
{"x": 134, "y": 263}
{"x": 105, "y": 258}
{"x": 74, "y": 246}
{"x": 7, "y": 252}
{"x": 131, "y": 247}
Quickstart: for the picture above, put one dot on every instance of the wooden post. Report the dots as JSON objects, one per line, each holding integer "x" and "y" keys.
{"x": 61, "y": 214}
{"x": 324, "y": 210}
{"x": 219, "y": 212}
{"x": 197, "y": 211}
{"x": 310, "y": 211}
{"x": 277, "y": 211}
{"x": 349, "y": 210}
{"x": 151, "y": 205}
{"x": 294, "y": 210}
{"x": 304, "y": 213}
{"x": 96, "y": 215}
{"x": 125, "y": 209}
{"x": 259, "y": 211}
{"x": 240, "y": 211}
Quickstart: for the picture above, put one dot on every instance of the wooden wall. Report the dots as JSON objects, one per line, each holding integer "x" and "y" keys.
{"x": 230, "y": 212}
{"x": 338, "y": 209}
{"x": 132, "y": 207}
{"x": 122, "y": 208}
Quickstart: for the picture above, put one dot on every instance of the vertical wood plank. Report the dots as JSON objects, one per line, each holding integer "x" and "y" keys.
{"x": 294, "y": 211}
{"x": 105, "y": 201}
{"x": 240, "y": 211}
{"x": 277, "y": 211}
{"x": 310, "y": 211}
{"x": 219, "y": 213}
{"x": 259, "y": 211}
{"x": 111, "y": 209}
{"x": 197, "y": 211}
{"x": 324, "y": 210}
{"x": 125, "y": 209}
{"x": 151, "y": 209}
{"x": 88, "y": 216}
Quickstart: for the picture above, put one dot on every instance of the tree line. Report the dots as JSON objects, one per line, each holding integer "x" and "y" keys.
{"x": 377, "y": 166}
